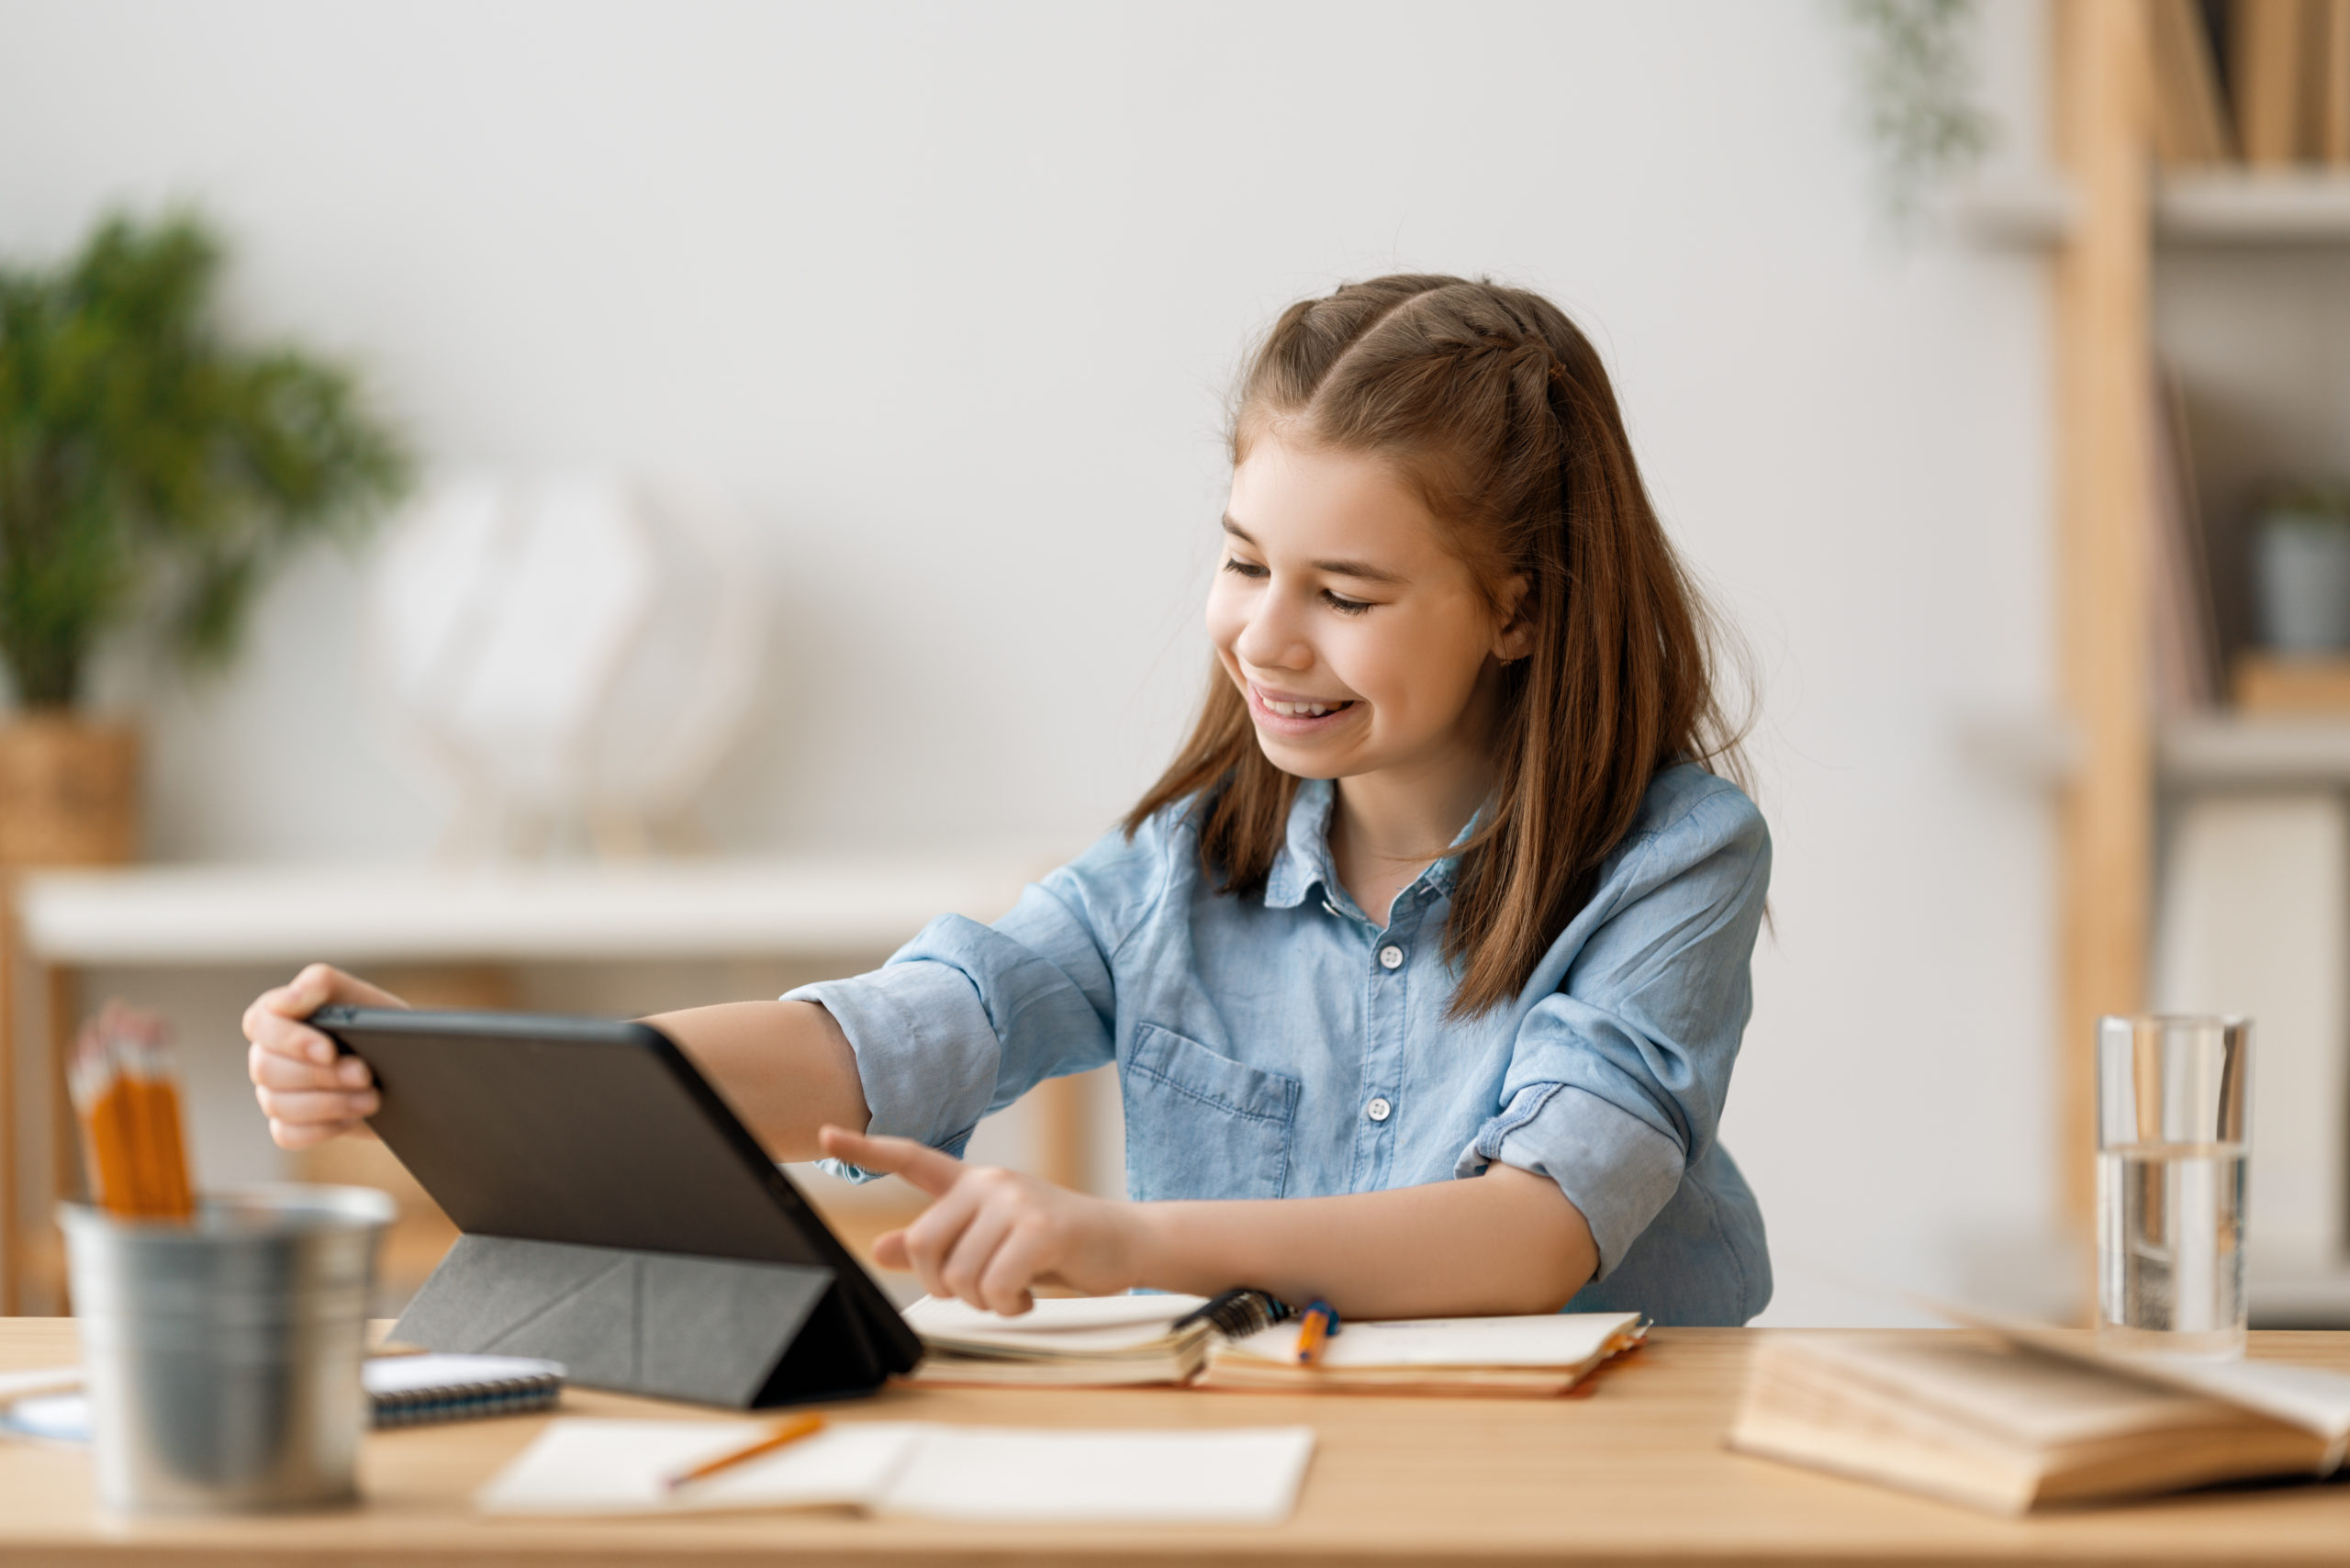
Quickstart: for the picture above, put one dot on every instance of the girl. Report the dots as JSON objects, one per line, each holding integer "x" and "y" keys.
{"x": 1425, "y": 964}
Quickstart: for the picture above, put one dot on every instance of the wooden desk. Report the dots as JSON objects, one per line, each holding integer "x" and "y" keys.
{"x": 1636, "y": 1474}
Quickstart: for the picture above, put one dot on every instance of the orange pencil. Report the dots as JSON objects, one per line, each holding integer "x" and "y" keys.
{"x": 155, "y": 1115}
{"x": 109, "y": 1146}
{"x": 1314, "y": 1333}
{"x": 120, "y": 1080}
{"x": 781, "y": 1435}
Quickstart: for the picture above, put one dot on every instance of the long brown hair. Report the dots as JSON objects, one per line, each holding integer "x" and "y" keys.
{"x": 1495, "y": 407}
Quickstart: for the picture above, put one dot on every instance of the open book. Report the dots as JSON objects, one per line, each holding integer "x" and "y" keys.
{"x": 1081, "y": 1341}
{"x": 1545, "y": 1353}
{"x": 2020, "y": 1417}
{"x": 1102, "y": 1340}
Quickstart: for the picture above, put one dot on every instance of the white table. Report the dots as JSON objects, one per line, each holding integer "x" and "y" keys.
{"x": 57, "y": 922}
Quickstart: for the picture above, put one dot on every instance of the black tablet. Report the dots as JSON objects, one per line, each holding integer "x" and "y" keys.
{"x": 593, "y": 1132}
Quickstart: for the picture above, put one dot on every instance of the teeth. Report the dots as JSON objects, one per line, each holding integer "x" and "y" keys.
{"x": 1293, "y": 710}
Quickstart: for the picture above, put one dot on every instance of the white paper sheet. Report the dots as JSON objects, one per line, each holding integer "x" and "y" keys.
{"x": 582, "y": 1466}
{"x": 1245, "y": 1476}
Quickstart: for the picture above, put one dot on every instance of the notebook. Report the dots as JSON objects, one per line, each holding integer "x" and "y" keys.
{"x": 2007, "y": 1424}
{"x": 1242, "y": 1476}
{"x": 1083, "y": 1341}
{"x": 403, "y": 1391}
{"x": 1547, "y": 1353}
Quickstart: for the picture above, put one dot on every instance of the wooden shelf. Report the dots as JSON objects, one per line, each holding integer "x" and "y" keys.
{"x": 2226, "y": 751}
{"x": 2289, "y": 207}
{"x": 2039, "y": 208}
{"x": 218, "y": 914}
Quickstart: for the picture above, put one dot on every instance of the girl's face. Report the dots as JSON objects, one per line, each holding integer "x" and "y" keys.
{"x": 1358, "y": 641}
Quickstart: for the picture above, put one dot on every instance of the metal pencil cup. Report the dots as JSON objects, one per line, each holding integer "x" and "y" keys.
{"x": 222, "y": 1356}
{"x": 2171, "y": 1098}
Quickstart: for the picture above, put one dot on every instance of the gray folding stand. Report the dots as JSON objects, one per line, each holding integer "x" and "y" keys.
{"x": 714, "y": 1331}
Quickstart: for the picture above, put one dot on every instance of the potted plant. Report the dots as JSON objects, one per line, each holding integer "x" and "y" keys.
{"x": 151, "y": 476}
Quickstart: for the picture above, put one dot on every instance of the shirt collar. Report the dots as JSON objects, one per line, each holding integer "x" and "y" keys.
{"x": 1304, "y": 857}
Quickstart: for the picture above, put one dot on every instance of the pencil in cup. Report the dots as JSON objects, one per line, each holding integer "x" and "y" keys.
{"x": 127, "y": 1098}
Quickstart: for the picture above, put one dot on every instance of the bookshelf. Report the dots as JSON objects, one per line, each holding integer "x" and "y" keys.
{"x": 2236, "y": 280}
{"x": 2287, "y": 208}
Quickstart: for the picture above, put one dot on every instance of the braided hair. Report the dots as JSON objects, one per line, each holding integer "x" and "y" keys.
{"x": 1492, "y": 404}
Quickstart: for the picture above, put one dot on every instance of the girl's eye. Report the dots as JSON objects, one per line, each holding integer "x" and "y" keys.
{"x": 1343, "y": 605}
{"x": 1245, "y": 568}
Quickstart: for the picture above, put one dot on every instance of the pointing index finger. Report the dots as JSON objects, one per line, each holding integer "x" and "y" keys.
{"x": 925, "y": 1167}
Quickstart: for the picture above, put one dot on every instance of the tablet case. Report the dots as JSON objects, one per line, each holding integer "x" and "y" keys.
{"x": 712, "y": 1330}
{"x": 618, "y": 1218}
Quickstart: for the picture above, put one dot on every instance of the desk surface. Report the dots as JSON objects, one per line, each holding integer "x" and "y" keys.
{"x": 1635, "y": 1473}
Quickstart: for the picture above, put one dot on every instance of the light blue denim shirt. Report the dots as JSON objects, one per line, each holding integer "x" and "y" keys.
{"x": 1285, "y": 1044}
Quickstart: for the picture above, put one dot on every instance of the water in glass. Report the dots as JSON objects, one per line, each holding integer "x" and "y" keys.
{"x": 2171, "y": 1260}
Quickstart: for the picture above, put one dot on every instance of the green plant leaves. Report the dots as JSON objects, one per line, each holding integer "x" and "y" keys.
{"x": 151, "y": 473}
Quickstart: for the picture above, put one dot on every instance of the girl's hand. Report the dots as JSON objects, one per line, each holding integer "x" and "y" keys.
{"x": 308, "y": 1095}
{"x": 992, "y": 1233}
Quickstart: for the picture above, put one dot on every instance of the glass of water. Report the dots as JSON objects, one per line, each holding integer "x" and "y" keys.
{"x": 2170, "y": 1183}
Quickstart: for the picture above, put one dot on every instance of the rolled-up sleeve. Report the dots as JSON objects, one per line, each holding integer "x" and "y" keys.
{"x": 966, "y": 1018}
{"x": 1617, "y": 1078}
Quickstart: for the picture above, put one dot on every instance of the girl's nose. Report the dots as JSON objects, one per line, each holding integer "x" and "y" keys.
{"x": 1272, "y": 639}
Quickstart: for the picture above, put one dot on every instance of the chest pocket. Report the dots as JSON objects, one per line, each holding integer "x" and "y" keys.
{"x": 1202, "y": 1126}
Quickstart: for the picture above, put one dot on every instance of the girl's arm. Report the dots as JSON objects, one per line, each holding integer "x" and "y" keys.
{"x": 1507, "y": 1241}
{"x": 785, "y": 1067}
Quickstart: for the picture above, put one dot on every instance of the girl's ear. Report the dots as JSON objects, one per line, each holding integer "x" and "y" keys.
{"x": 1516, "y": 638}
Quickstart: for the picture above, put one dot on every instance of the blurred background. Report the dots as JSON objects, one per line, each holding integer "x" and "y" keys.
{"x": 797, "y": 453}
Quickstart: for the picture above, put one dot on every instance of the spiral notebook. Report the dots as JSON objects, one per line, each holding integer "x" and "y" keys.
{"x": 412, "y": 1391}
{"x": 404, "y": 1391}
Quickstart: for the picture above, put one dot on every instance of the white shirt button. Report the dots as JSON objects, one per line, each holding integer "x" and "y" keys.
{"x": 1379, "y": 1110}
{"x": 1390, "y": 957}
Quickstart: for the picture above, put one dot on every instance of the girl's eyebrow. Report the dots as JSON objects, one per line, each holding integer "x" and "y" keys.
{"x": 1362, "y": 569}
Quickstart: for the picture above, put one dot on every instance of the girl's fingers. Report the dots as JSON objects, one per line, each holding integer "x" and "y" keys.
{"x": 274, "y": 1020}
{"x": 933, "y": 1235}
{"x": 1017, "y": 1265}
{"x": 926, "y": 1167}
{"x": 973, "y": 1251}
{"x": 316, "y": 1106}
{"x": 270, "y": 1025}
{"x": 302, "y": 1134}
{"x": 269, "y": 1069}
{"x": 890, "y": 1251}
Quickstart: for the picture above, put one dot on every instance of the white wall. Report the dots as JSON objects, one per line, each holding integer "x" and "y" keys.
{"x": 948, "y": 295}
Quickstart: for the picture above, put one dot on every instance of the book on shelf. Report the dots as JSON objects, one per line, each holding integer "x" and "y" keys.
{"x": 2326, "y": 82}
{"x": 2191, "y": 125}
{"x": 2263, "y": 83}
{"x": 2009, "y": 1425}
{"x": 2265, "y": 42}
{"x": 2306, "y": 686}
{"x": 2183, "y": 620}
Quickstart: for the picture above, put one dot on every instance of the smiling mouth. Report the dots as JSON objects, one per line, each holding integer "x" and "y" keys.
{"x": 1303, "y": 709}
